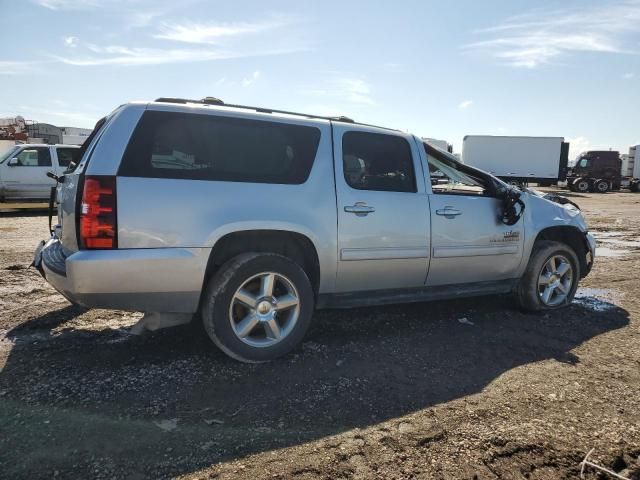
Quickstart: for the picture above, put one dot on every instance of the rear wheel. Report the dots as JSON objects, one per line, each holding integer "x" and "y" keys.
{"x": 581, "y": 185}
{"x": 551, "y": 278}
{"x": 258, "y": 306}
{"x": 601, "y": 186}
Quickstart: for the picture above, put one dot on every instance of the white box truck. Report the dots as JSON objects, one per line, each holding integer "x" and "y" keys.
{"x": 541, "y": 160}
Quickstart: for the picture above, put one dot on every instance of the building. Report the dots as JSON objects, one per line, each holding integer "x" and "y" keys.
{"x": 44, "y": 133}
{"x": 632, "y": 162}
{"x": 74, "y": 135}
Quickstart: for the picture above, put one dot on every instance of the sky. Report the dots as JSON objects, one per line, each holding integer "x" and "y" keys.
{"x": 440, "y": 69}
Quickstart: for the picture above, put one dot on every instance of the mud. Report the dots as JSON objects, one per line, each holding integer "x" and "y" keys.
{"x": 407, "y": 391}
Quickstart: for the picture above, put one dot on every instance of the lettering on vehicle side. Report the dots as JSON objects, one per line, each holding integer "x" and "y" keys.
{"x": 509, "y": 236}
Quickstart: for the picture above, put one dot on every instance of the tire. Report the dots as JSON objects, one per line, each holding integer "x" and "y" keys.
{"x": 601, "y": 186}
{"x": 267, "y": 329}
{"x": 582, "y": 185}
{"x": 530, "y": 293}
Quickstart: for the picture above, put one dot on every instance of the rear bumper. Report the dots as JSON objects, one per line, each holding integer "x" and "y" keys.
{"x": 148, "y": 280}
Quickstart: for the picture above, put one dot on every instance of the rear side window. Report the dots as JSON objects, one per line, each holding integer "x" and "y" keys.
{"x": 374, "y": 161}
{"x": 67, "y": 155}
{"x": 206, "y": 147}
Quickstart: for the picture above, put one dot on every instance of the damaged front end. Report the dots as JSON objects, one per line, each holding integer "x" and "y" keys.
{"x": 555, "y": 198}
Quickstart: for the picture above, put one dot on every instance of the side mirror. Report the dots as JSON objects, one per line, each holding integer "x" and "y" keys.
{"x": 13, "y": 162}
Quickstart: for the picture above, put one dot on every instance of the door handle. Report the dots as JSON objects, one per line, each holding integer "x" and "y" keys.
{"x": 361, "y": 209}
{"x": 449, "y": 212}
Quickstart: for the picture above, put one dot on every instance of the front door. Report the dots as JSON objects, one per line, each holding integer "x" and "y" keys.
{"x": 469, "y": 241}
{"x": 383, "y": 210}
{"x": 28, "y": 177}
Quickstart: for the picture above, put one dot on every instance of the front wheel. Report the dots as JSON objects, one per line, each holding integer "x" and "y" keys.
{"x": 551, "y": 278}
{"x": 258, "y": 306}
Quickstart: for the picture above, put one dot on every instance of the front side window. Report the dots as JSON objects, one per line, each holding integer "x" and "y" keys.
{"x": 207, "y": 147}
{"x": 34, "y": 157}
{"x": 584, "y": 163}
{"x": 373, "y": 161}
{"x": 448, "y": 177}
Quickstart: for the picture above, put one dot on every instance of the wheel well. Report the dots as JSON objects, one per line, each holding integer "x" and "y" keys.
{"x": 572, "y": 237}
{"x": 292, "y": 245}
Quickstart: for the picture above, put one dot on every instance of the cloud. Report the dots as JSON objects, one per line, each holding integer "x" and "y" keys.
{"x": 580, "y": 144}
{"x": 344, "y": 89}
{"x": 544, "y": 36}
{"x": 57, "y": 116}
{"x": 465, "y": 104}
{"x": 213, "y": 32}
{"x": 354, "y": 90}
{"x": 629, "y": 76}
{"x": 139, "y": 56}
{"x": 250, "y": 80}
{"x": 16, "y": 67}
{"x": 69, "y": 4}
{"x": 71, "y": 42}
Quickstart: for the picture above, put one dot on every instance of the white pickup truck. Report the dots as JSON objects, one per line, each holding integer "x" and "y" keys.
{"x": 23, "y": 170}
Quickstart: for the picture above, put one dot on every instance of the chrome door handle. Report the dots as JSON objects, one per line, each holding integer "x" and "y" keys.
{"x": 449, "y": 212}
{"x": 361, "y": 209}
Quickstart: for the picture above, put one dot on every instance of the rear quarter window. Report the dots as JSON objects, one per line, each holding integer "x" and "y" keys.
{"x": 207, "y": 147}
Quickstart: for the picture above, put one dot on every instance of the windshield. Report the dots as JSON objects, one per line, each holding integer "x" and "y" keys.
{"x": 450, "y": 175}
{"x": 9, "y": 153}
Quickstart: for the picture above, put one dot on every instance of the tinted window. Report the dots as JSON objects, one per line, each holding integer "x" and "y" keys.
{"x": 206, "y": 147}
{"x": 34, "y": 157}
{"x": 67, "y": 155}
{"x": 374, "y": 161}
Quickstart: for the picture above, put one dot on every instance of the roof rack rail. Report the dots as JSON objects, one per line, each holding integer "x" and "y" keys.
{"x": 217, "y": 101}
{"x": 205, "y": 100}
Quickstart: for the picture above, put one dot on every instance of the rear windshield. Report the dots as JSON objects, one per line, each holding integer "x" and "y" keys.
{"x": 207, "y": 147}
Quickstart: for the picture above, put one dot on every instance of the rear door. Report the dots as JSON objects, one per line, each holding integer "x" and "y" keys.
{"x": 28, "y": 178}
{"x": 383, "y": 211}
{"x": 470, "y": 244}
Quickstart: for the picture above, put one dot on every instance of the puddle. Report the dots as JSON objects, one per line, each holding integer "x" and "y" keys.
{"x": 607, "y": 234}
{"x": 611, "y": 252}
{"x": 613, "y": 243}
{"x": 622, "y": 243}
{"x": 596, "y": 299}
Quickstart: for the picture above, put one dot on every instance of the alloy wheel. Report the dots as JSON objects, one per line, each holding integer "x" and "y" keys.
{"x": 555, "y": 281}
{"x": 264, "y": 309}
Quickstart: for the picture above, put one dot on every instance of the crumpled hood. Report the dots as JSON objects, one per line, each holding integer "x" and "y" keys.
{"x": 552, "y": 209}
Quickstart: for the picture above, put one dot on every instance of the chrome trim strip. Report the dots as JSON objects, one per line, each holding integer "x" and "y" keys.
{"x": 387, "y": 253}
{"x": 473, "y": 251}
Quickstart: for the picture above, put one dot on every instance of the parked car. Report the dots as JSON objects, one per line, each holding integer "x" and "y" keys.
{"x": 24, "y": 168}
{"x": 253, "y": 218}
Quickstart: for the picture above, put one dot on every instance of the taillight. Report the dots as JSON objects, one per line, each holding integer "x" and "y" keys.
{"x": 98, "y": 227}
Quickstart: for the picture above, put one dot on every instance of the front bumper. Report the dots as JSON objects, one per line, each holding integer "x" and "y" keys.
{"x": 147, "y": 280}
{"x": 591, "y": 251}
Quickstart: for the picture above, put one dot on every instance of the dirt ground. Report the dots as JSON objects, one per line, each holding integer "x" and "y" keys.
{"x": 408, "y": 391}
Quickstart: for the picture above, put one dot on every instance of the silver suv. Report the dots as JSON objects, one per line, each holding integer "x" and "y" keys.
{"x": 252, "y": 218}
